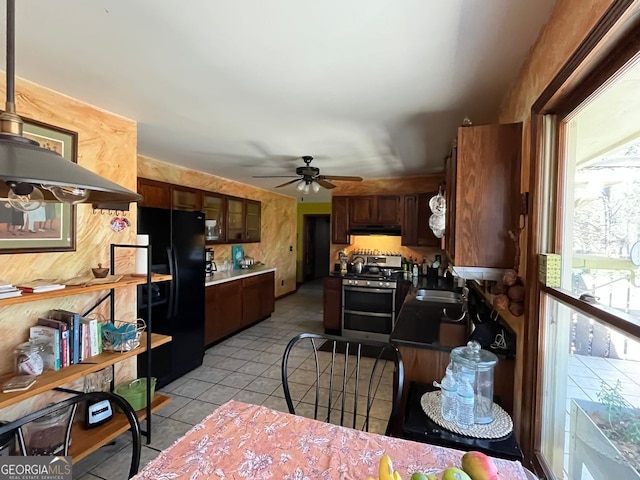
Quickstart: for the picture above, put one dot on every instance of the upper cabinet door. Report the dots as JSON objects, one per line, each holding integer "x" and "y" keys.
{"x": 253, "y": 220}
{"x": 362, "y": 210}
{"x": 487, "y": 195}
{"x": 184, "y": 198}
{"x": 410, "y": 220}
{"x": 389, "y": 209}
{"x": 340, "y": 220}
{"x": 214, "y": 208}
{"x": 235, "y": 220}
{"x": 154, "y": 194}
{"x": 426, "y": 238}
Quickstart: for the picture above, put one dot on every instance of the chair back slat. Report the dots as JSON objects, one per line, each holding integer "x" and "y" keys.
{"x": 353, "y": 349}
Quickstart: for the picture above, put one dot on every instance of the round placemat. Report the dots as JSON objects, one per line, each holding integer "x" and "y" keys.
{"x": 502, "y": 424}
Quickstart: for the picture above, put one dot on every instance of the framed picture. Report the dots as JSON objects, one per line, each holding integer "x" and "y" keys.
{"x": 51, "y": 226}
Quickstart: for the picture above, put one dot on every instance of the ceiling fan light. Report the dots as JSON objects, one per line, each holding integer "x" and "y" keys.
{"x": 306, "y": 188}
{"x": 315, "y": 187}
{"x": 300, "y": 186}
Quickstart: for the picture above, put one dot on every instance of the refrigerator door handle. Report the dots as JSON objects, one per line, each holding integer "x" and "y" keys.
{"x": 172, "y": 286}
{"x": 176, "y": 277}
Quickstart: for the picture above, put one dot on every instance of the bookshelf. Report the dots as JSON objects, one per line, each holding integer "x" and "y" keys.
{"x": 87, "y": 441}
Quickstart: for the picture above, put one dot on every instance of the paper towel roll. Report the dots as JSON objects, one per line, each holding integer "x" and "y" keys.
{"x": 141, "y": 255}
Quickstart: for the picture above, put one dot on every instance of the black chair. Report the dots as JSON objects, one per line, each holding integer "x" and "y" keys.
{"x": 356, "y": 374}
{"x": 17, "y": 425}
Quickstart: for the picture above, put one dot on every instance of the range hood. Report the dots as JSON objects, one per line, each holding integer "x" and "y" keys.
{"x": 390, "y": 230}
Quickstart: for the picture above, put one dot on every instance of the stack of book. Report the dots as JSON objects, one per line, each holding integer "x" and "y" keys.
{"x": 39, "y": 286}
{"x": 67, "y": 338}
{"x": 7, "y": 290}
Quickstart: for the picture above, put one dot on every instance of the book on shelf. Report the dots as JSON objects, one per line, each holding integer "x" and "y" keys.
{"x": 64, "y": 337}
{"x": 72, "y": 319}
{"x": 91, "y": 335}
{"x": 4, "y": 284}
{"x": 18, "y": 383}
{"x": 49, "y": 339}
{"x": 39, "y": 286}
{"x": 10, "y": 292}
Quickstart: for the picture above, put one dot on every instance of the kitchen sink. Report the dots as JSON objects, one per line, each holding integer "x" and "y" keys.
{"x": 438, "y": 296}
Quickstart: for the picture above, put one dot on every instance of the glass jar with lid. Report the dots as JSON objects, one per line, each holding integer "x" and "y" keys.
{"x": 472, "y": 360}
{"x": 46, "y": 435}
{"x": 28, "y": 359}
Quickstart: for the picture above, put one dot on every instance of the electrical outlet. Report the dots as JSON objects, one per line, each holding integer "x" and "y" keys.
{"x": 291, "y": 248}
{"x": 282, "y": 283}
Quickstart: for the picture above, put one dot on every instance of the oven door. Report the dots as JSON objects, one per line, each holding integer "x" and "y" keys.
{"x": 366, "y": 299}
{"x": 368, "y": 312}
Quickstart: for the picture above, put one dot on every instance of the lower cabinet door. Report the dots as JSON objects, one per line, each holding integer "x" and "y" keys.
{"x": 223, "y": 310}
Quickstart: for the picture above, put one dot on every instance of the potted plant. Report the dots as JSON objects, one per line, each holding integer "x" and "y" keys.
{"x": 605, "y": 436}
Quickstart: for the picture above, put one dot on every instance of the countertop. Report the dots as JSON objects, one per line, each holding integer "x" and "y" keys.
{"x": 222, "y": 277}
{"x": 421, "y": 324}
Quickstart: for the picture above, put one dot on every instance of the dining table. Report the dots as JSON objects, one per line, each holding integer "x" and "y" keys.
{"x": 240, "y": 440}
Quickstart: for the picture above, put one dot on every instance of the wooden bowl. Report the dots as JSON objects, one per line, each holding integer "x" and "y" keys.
{"x": 100, "y": 272}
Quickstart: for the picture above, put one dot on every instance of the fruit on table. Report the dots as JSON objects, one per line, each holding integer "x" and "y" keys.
{"x": 385, "y": 470}
{"x": 452, "y": 473}
{"x": 479, "y": 466}
{"x": 419, "y": 476}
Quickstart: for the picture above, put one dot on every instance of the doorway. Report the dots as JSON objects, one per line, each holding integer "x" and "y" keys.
{"x": 315, "y": 246}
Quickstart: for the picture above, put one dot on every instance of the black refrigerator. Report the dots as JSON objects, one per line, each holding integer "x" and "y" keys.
{"x": 177, "y": 248}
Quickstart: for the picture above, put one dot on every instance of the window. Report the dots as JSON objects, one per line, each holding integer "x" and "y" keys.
{"x": 590, "y": 399}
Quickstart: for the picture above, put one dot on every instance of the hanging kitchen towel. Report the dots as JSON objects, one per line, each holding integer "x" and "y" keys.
{"x": 237, "y": 252}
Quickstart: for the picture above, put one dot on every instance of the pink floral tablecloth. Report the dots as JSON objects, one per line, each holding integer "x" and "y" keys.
{"x": 248, "y": 441}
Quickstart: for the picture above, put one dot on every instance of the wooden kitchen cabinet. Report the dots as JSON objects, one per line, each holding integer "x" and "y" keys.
{"x": 252, "y": 220}
{"x": 231, "y": 306}
{"x": 483, "y": 195}
{"x": 388, "y": 209}
{"x": 214, "y": 207}
{"x": 258, "y": 299}
{"x": 415, "y": 221}
{"x": 243, "y": 220}
{"x": 340, "y": 220}
{"x": 154, "y": 194}
{"x": 332, "y": 305}
{"x": 375, "y": 210}
{"x": 223, "y": 310}
{"x": 185, "y": 198}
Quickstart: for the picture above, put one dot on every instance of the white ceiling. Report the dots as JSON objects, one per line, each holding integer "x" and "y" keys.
{"x": 374, "y": 88}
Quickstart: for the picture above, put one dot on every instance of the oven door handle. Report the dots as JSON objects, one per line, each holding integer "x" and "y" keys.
{"x": 369, "y": 314}
{"x": 368, "y": 290}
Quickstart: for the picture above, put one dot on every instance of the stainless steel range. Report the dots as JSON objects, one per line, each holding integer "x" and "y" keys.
{"x": 369, "y": 299}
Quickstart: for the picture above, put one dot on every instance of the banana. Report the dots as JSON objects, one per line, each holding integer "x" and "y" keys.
{"x": 396, "y": 476}
{"x": 385, "y": 471}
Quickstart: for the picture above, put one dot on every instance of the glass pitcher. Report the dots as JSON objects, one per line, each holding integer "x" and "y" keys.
{"x": 472, "y": 358}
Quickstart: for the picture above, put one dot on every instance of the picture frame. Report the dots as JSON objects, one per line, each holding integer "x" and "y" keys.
{"x": 51, "y": 227}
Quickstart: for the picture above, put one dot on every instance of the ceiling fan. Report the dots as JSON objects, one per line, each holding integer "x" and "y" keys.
{"x": 309, "y": 178}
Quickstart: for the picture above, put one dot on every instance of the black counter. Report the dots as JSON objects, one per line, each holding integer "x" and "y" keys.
{"x": 424, "y": 325}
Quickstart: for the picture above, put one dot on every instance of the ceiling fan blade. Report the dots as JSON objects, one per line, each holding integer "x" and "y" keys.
{"x": 322, "y": 182}
{"x": 287, "y": 183}
{"x": 274, "y": 176}
{"x": 340, "y": 177}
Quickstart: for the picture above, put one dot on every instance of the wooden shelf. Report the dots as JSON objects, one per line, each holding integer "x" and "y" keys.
{"x": 516, "y": 324}
{"x": 86, "y": 441}
{"x": 126, "y": 281}
{"x": 51, "y": 379}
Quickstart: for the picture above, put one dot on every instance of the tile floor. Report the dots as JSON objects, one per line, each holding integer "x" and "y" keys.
{"x": 245, "y": 367}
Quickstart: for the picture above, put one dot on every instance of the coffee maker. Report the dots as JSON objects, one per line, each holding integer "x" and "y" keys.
{"x": 209, "y": 264}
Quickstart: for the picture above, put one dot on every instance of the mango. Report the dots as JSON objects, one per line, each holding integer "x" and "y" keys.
{"x": 479, "y": 466}
{"x": 452, "y": 473}
{"x": 419, "y": 476}
{"x": 432, "y": 477}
